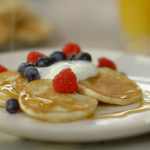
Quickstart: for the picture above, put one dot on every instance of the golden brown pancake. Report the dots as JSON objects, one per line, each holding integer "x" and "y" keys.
{"x": 11, "y": 83}
{"x": 39, "y": 100}
{"x": 111, "y": 87}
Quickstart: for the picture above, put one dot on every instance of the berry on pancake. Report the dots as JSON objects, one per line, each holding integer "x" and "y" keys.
{"x": 22, "y": 67}
{"x": 104, "y": 62}
{"x": 58, "y": 56}
{"x": 2, "y": 68}
{"x": 44, "y": 61}
{"x": 33, "y": 56}
{"x": 83, "y": 56}
{"x": 65, "y": 81}
{"x": 31, "y": 73}
{"x": 71, "y": 48}
{"x": 12, "y": 105}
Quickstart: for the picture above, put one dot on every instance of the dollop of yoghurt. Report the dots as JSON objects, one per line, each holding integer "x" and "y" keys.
{"x": 82, "y": 69}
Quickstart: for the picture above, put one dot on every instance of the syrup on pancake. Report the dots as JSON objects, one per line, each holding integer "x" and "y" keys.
{"x": 11, "y": 83}
{"x": 111, "y": 87}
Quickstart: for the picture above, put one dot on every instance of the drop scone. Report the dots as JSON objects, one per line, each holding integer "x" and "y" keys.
{"x": 39, "y": 100}
{"x": 11, "y": 83}
{"x": 111, "y": 87}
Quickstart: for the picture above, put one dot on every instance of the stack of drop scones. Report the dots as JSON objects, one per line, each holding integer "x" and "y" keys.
{"x": 38, "y": 98}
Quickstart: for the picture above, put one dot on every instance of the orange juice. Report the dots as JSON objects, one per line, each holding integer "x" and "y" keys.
{"x": 135, "y": 17}
{"x": 135, "y": 23}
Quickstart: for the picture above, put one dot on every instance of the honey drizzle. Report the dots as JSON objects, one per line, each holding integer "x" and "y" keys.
{"x": 143, "y": 106}
{"x": 46, "y": 105}
{"x": 8, "y": 89}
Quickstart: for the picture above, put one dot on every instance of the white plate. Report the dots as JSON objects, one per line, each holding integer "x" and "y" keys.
{"x": 135, "y": 66}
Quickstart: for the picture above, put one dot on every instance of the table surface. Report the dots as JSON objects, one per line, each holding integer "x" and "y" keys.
{"x": 104, "y": 35}
{"x": 9, "y": 142}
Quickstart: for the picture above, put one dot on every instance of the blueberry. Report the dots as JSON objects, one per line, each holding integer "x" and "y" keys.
{"x": 44, "y": 61}
{"x": 23, "y": 66}
{"x": 83, "y": 56}
{"x": 12, "y": 105}
{"x": 31, "y": 73}
{"x": 58, "y": 56}
{"x": 71, "y": 57}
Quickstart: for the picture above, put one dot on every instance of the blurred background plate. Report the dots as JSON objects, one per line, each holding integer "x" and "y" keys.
{"x": 49, "y": 23}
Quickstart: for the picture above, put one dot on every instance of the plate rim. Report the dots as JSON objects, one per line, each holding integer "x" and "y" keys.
{"x": 9, "y": 128}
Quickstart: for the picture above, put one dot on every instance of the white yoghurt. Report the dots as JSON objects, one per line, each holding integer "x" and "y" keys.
{"x": 82, "y": 69}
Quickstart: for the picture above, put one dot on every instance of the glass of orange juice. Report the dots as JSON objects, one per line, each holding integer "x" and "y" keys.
{"x": 135, "y": 23}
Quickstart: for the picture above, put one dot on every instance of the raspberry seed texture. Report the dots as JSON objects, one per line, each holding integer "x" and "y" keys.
{"x": 65, "y": 81}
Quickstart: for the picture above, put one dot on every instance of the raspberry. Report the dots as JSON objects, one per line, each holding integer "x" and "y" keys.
{"x": 71, "y": 48}
{"x": 104, "y": 62}
{"x": 65, "y": 81}
{"x": 33, "y": 56}
{"x": 2, "y": 68}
